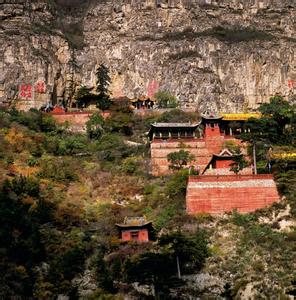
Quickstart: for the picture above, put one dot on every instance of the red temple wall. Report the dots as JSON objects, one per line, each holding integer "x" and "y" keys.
{"x": 142, "y": 237}
{"x": 72, "y": 118}
{"x": 76, "y": 118}
{"x": 220, "y": 164}
{"x": 219, "y": 194}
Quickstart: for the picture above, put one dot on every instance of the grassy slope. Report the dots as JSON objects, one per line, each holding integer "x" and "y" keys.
{"x": 255, "y": 254}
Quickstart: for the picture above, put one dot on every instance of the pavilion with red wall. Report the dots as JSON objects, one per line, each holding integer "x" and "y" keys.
{"x": 135, "y": 229}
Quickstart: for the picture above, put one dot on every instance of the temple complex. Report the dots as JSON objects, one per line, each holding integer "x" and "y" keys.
{"x": 135, "y": 229}
{"x": 218, "y": 189}
{"x": 171, "y": 137}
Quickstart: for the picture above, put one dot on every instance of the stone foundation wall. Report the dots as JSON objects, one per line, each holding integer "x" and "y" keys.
{"x": 219, "y": 194}
{"x": 161, "y": 148}
{"x": 77, "y": 118}
{"x": 226, "y": 171}
{"x": 201, "y": 148}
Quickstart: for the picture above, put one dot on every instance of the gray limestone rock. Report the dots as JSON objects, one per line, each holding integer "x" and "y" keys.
{"x": 213, "y": 55}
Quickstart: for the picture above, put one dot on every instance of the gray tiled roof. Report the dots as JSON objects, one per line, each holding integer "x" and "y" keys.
{"x": 188, "y": 124}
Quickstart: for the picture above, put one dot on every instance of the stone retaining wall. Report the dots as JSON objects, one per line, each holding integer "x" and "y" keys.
{"x": 201, "y": 148}
{"x": 219, "y": 194}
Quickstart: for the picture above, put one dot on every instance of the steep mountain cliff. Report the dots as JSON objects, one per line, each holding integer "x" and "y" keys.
{"x": 214, "y": 55}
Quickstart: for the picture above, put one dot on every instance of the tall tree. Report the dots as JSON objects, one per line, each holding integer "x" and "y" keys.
{"x": 276, "y": 126}
{"x": 84, "y": 96}
{"x": 279, "y": 110}
{"x": 189, "y": 252}
{"x": 103, "y": 82}
{"x": 162, "y": 269}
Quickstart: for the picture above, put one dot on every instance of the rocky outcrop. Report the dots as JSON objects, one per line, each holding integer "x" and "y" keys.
{"x": 213, "y": 55}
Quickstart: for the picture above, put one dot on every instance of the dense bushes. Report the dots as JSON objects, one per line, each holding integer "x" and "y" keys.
{"x": 34, "y": 120}
{"x": 59, "y": 170}
{"x": 175, "y": 254}
{"x": 22, "y": 212}
{"x": 111, "y": 148}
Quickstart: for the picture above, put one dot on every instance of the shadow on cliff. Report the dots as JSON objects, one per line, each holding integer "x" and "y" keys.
{"x": 224, "y": 34}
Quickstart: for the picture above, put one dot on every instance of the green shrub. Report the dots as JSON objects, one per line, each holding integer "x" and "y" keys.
{"x": 131, "y": 165}
{"x": 177, "y": 184}
{"x": 179, "y": 160}
{"x": 262, "y": 235}
{"x": 154, "y": 195}
{"x": 72, "y": 145}
{"x": 111, "y": 148}
{"x": 286, "y": 182}
{"x": 9, "y": 160}
{"x": 120, "y": 122}
{"x": 32, "y": 162}
{"x": 58, "y": 170}
{"x": 34, "y": 120}
{"x": 232, "y": 146}
{"x": 66, "y": 145}
{"x": 36, "y": 150}
{"x": 5, "y": 119}
{"x": 243, "y": 220}
{"x": 94, "y": 126}
{"x": 169, "y": 212}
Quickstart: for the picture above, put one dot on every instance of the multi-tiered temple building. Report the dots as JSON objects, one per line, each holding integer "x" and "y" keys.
{"x": 201, "y": 139}
{"x": 217, "y": 189}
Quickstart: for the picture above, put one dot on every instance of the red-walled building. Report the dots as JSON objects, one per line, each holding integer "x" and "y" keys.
{"x": 172, "y": 137}
{"x": 135, "y": 229}
{"x": 219, "y": 194}
{"x": 220, "y": 164}
{"x": 202, "y": 143}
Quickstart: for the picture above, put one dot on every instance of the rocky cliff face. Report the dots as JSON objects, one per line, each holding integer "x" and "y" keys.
{"x": 214, "y": 55}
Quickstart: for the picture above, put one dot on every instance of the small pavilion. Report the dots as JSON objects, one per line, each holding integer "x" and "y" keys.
{"x": 135, "y": 229}
{"x": 142, "y": 103}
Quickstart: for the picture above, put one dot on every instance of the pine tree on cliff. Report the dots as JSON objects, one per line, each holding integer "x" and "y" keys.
{"x": 103, "y": 82}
